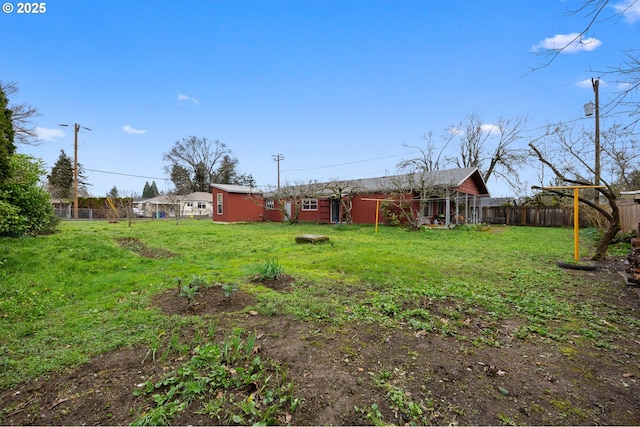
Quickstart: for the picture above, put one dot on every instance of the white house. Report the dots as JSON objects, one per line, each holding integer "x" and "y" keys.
{"x": 198, "y": 204}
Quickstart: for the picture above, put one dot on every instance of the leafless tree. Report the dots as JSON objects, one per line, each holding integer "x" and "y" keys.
{"x": 345, "y": 192}
{"x": 568, "y": 152}
{"x": 200, "y": 157}
{"x": 174, "y": 201}
{"x": 289, "y": 198}
{"x": 431, "y": 157}
{"x": 402, "y": 191}
{"x": 22, "y": 116}
{"x": 492, "y": 148}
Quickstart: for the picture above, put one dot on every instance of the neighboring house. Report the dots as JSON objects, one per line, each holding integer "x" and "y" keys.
{"x": 198, "y": 204}
{"x": 443, "y": 196}
{"x": 237, "y": 203}
{"x": 62, "y": 207}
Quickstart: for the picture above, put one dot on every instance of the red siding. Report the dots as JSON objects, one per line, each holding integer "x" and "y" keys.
{"x": 324, "y": 211}
{"x": 309, "y": 216}
{"x": 237, "y": 207}
{"x": 471, "y": 185}
{"x": 273, "y": 215}
{"x": 364, "y": 211}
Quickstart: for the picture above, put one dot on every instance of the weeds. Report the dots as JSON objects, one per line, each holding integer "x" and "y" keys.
{"x": 227, "y": 381}
{"x": 406, "y": 411}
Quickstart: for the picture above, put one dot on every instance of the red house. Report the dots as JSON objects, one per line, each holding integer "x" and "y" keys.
{"x": 438, "y": 197}
{"x": 236, "y": 203}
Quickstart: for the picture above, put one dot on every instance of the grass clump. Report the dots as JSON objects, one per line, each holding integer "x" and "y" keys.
{"x": 272, "y": 270}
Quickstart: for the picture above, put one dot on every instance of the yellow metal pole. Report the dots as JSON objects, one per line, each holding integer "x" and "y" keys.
{"x": 576, "y": 214}
{"x": 576, "y": 225}
{"x": 377, "y": 214}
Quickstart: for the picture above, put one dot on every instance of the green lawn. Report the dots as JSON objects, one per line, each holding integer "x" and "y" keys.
{"x": 69, "y": 296}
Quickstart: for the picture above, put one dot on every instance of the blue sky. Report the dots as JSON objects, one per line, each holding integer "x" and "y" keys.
{"x": 339, "y": 88}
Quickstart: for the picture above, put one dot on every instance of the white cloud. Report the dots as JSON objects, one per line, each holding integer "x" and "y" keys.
{"x": 568, "y": 43}
{"x": 630, "y": 9}
{"x": 491, "y": 129}
{"x": 183, "y": 97}
{"x": 623, "y": 86}
{"x": 51, "y": 135}
{"x": 587, "y": 84}
{"x": 133, "y": 131}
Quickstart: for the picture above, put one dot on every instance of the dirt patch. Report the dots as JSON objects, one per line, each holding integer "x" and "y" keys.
{"x": 341, "y": 372}
{"x": 210, "y": 300}
{"x": 136, "y": 245}
{"x": 281, "y": 284}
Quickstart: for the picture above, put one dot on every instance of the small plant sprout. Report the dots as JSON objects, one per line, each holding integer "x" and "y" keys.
{"x": 272, "y": 270}
{"x": 192, "y": 289}
{"x": 228, "y": 289}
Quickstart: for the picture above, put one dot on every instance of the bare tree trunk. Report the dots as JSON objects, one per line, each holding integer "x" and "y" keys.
{"x": 612, "y": 230}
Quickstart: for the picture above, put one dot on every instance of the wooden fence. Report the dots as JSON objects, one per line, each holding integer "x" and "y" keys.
{"x": 535, "y": 216}
{"x": 553, "y": 216}
{"x": 629, "y": 215}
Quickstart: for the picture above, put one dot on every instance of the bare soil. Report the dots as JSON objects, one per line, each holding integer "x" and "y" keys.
{"x": 526, "y": 382}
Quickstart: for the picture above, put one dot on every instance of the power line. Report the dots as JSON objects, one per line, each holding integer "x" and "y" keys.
{"x": 127, "y": 174}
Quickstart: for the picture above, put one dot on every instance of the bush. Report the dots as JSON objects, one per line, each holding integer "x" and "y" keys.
{"x": 25, "y": 207}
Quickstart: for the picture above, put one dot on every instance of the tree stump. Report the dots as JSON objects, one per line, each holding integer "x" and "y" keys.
{"x": 312, "y": 238}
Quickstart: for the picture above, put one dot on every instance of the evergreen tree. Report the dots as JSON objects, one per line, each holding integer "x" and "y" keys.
{"x": 154, "y": 189}
{"x": 147, "y": 192}
{"x": 7, "y": 147}
{"x": 113, "y": 193}
{"x": 60, "y": 181}
{"x": 150, "y": 191}
{"x": 226, "y": 173}
{"x": 181, "y": 179}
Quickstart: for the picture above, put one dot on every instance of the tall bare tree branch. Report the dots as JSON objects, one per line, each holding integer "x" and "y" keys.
{"x": 22, "y": 116}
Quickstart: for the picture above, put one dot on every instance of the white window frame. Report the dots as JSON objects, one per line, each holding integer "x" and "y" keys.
{"x": 270, "y": 204}
{"x": 310, "y": 204}
{"x": 219, "y": 199}
{"x": 202, "y": 205}
{"x": 190, "y": 204}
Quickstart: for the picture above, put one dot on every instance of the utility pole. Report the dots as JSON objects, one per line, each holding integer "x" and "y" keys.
{"x": 588, "y": 111}
{"x": 596, "y": 83}
{"x": 277, "y": 158}
{"x": 76, "y": 129}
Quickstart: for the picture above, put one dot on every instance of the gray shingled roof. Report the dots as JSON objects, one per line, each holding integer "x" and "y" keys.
{"x": 242, "y": 189}
{"x": 448, "y": 178}
{"x": 443, "y": 179}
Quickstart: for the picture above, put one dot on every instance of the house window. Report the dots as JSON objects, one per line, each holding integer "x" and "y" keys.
{"x": 219, "y": 203}
{"x": 202, "y": 205}
{"x": 309, "y": 204}
{"x": 190, "y": 204}
{"x": 270, "y": 204}
{"x": 434, "y": 207}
